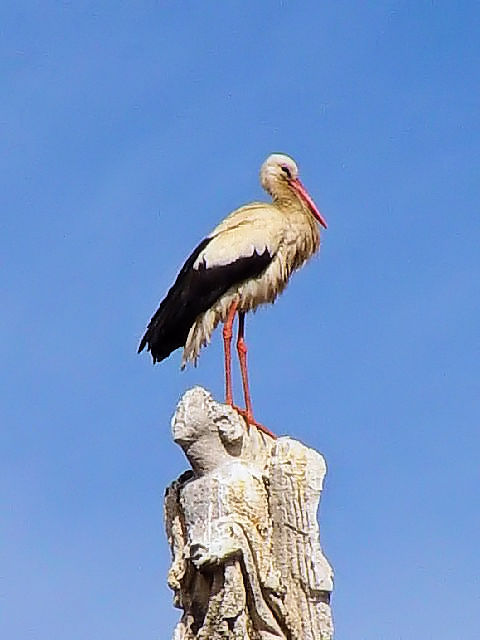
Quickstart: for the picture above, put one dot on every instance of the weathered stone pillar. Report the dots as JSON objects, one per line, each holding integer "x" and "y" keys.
{"x": 246, "y": 557}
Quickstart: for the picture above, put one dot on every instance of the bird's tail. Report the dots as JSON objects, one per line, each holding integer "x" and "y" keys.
{"x": 164, "y": 334}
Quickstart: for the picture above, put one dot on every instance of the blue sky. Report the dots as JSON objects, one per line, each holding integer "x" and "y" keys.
{"x": 128, "y": 130}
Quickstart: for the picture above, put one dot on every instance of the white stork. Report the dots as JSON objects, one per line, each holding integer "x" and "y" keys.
{"x": 246, "y": 261}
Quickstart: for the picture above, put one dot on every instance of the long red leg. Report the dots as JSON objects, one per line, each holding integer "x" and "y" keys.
{"x": 242, "y": 356}
{"x": 227, "y": 342}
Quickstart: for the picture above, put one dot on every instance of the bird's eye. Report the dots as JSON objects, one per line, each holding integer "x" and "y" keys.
{"x": 286, "y": 170}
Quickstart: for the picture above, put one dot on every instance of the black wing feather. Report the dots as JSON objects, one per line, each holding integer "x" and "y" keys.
{"x": 195, "y": 291}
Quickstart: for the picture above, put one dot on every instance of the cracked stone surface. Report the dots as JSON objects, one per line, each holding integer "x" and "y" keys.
{"x": 242, "y": 527}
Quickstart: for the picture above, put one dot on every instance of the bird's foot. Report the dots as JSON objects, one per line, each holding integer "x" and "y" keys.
{"x": 251, "y": 421}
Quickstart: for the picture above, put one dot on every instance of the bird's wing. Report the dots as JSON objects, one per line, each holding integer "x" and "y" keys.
{"x": 240, "y": 248}
{"x": 161, "y": 336}
{"x": 254, "y": 229}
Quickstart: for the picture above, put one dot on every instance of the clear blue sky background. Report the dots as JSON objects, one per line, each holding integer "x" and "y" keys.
{"x": 128, "y": 130}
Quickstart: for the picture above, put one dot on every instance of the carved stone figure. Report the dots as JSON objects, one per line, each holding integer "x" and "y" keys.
{"x": 247, "y": 562}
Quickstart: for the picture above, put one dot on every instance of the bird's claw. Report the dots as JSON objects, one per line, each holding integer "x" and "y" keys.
{"x": 251, "y": 421}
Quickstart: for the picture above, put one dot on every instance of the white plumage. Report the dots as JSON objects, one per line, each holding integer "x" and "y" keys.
{"x": 246, "y": 261}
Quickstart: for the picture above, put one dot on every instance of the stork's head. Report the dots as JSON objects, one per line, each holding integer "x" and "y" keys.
{"x": 278, "y": 174}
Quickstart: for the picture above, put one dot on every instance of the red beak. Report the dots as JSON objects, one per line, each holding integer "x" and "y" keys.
{"x": 303, "y": 193}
